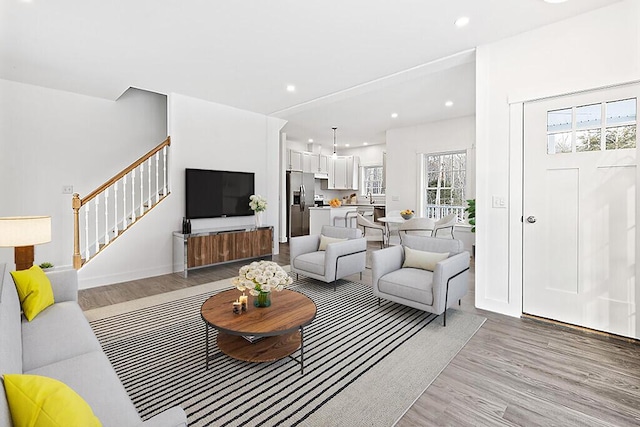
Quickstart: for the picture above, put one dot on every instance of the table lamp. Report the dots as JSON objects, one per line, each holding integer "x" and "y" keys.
{"x": 21, "y": 233}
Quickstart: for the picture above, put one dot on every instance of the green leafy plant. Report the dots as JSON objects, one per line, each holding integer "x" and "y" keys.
{"x": 471, "y": 213}
{"x": 46, "y": 265}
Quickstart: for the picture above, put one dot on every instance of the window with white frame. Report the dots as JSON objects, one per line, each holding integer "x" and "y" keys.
{"x": 595, "y": 127}
{"x": 445, "y": 181}
{"x": 372, "y": 180}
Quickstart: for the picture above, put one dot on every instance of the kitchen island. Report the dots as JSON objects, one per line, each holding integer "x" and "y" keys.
{"x": 325, "y": 215}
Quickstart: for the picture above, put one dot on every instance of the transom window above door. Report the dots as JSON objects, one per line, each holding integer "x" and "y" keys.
{"x": 595, "y": 127}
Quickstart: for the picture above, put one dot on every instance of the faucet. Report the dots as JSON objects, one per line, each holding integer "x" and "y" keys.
{"x": 370, "y": 196}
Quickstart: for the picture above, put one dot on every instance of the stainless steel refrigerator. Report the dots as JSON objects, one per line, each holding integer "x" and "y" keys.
{"x": 300, "y": 192}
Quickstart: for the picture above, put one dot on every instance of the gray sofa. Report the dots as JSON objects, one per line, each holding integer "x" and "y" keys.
{"x": 432, "y": 291}
{"x": 59, "y": 343}
{"x": 340, "y": 259}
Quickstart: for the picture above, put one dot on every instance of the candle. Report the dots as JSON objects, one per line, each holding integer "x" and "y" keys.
{"x": 236, "y": 307}
{"x": 244, "y": 301}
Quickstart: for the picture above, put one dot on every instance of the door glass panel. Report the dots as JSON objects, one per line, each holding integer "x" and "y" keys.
{"x": 559, "y": 120}
{"x": 559, "y": 143}
{"x": 589, "y": 116}
{"x": 621, "y": 111}
{"x": 621, "y": 137}
{"x": 588, "y": 140}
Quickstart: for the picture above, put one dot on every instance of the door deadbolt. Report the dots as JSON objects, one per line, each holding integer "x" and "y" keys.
{"x": 531, "y": 219}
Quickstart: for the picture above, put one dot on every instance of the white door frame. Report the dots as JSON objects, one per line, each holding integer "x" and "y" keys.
{"x": 516, "y": 195}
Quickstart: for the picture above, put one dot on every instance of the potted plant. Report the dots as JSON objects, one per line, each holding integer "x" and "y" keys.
{"x": 471, "y": 217}
{"x": 46, "y": 265}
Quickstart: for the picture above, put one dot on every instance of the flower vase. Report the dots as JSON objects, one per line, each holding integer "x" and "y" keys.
{"x": 262, "y": 300}
{"x": 258, "y": 218}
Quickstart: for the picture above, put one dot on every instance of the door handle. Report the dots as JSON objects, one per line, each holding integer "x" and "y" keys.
{"x": 531, "y": 219}
{"x": 302, "y": 198}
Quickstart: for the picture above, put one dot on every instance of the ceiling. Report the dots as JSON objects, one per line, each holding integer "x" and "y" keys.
{"x": 352, "y": 62}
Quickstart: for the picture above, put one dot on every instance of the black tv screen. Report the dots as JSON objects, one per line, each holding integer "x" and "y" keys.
{"x": 214, "y": 194}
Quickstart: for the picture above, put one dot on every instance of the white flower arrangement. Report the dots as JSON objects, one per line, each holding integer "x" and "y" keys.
{"x": 257, "y": 203}
{"x": 261, "y": 276}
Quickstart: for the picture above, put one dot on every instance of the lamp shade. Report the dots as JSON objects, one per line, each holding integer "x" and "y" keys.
{"x": 24, "y": 230}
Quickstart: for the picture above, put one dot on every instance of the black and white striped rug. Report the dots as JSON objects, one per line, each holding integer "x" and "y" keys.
{"x": 159, "y": 355}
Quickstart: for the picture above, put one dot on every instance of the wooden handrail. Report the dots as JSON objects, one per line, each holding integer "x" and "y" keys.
{"x": 125, "y": 171}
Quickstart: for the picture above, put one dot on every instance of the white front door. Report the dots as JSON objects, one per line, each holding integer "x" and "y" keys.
{"x": 580, "y": 210}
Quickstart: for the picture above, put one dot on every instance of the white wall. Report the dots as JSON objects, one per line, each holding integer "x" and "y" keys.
{"x": 50, "y": 138}
{"x": 370, "y": 155}
{"x": 203, "y": 135}
{"x": 404, "y": 145}
{"x": 589, "y": 51}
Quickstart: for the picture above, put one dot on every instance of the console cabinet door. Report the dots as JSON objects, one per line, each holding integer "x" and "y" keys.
{"x": 199, "y": 251}
{"x": 262, "y": 242}
{"x": 222, "y": 247}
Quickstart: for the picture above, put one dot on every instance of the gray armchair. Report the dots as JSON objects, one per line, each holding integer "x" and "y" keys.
{"x": 340, "y": 259}
{"x": 431, "y": 291}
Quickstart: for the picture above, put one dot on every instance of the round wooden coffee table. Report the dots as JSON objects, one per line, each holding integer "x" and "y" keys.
{"x": 278, "y": 330}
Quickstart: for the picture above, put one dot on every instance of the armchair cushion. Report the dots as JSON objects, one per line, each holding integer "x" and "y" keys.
{"x": 325, "y": 240}
{"x": 424, "y": 260}
{"x": 413, "y": 284}
{"x": 312, "y": 262}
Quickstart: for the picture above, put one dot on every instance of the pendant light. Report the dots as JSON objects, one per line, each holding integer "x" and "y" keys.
{"x": 334, "y": 142}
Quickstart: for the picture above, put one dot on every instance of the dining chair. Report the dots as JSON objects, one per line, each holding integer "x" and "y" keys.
{"x": 348, "y": 218}
{"x": 417, "y": 226}
{"x": 367, "y": 224}
{"x": 448, "y": 221}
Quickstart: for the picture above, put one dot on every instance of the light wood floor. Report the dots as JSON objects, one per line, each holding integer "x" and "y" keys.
{"x": 513, "y": 372}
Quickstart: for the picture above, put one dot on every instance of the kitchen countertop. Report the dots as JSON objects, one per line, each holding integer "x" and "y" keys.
{"x": 375, "y": 205}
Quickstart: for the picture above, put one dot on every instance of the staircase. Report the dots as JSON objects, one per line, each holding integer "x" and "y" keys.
{"x": 111, "y": 209}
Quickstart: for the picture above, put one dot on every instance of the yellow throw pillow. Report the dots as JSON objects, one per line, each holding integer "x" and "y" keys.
{"x": 34, "y": 290}
{"x": 44, "y": 402}
{"x": 424, "y": 260}
{"x": 324, "y": 241}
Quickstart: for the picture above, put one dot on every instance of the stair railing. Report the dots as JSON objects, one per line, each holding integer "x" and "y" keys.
{"x": 99, "y": 218}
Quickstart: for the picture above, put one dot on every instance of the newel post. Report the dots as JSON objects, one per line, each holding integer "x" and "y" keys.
{"x": 76, "y": 203}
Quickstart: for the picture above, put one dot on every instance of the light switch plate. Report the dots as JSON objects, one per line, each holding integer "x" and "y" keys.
{"x": 395, "y": 198}
{"x": 67, "y": 189}
{"x": 498, "y": 202}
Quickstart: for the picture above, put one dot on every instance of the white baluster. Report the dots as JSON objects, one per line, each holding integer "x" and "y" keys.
{"x": 157, "y": 188}
{"x": 141, "y": 189}
{"x": 115, "y": 209}
{"x": 97, "y": 228}
{"x": 133, "y": 196}
{"x": 87, "y": 254}
{"x": 149, "y": 200}
{"x": 125, "y": 222}
{"x": 164, "y": 170}
{"x": 106, "y": 216}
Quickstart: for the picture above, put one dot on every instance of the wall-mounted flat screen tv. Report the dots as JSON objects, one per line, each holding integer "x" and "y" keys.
{"x": 214, "y": 194}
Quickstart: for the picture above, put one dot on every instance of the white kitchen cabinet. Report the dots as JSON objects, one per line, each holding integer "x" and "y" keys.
{"x": 294, "y": 160}
{"x": 308, "y": 162}
{"x": 343, "y": 173}
{"x": 323, "y": 164}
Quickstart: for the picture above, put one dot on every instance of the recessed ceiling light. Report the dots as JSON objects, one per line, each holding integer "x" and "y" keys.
{"x": 346, "y": 145}
{"x": 310, "y": 139}
{"x": 462, "y": 21}
{"x": 555, "y": 1}
{"x": 448, "y": 104}
{"x": 365, "y": 143}
{"x": 291, "y": 88}
{"x": 394, "y": 115}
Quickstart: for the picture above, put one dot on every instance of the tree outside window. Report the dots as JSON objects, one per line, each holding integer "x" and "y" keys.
{"x": 372, "y": 180}
{"x": 445, "y": 184}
